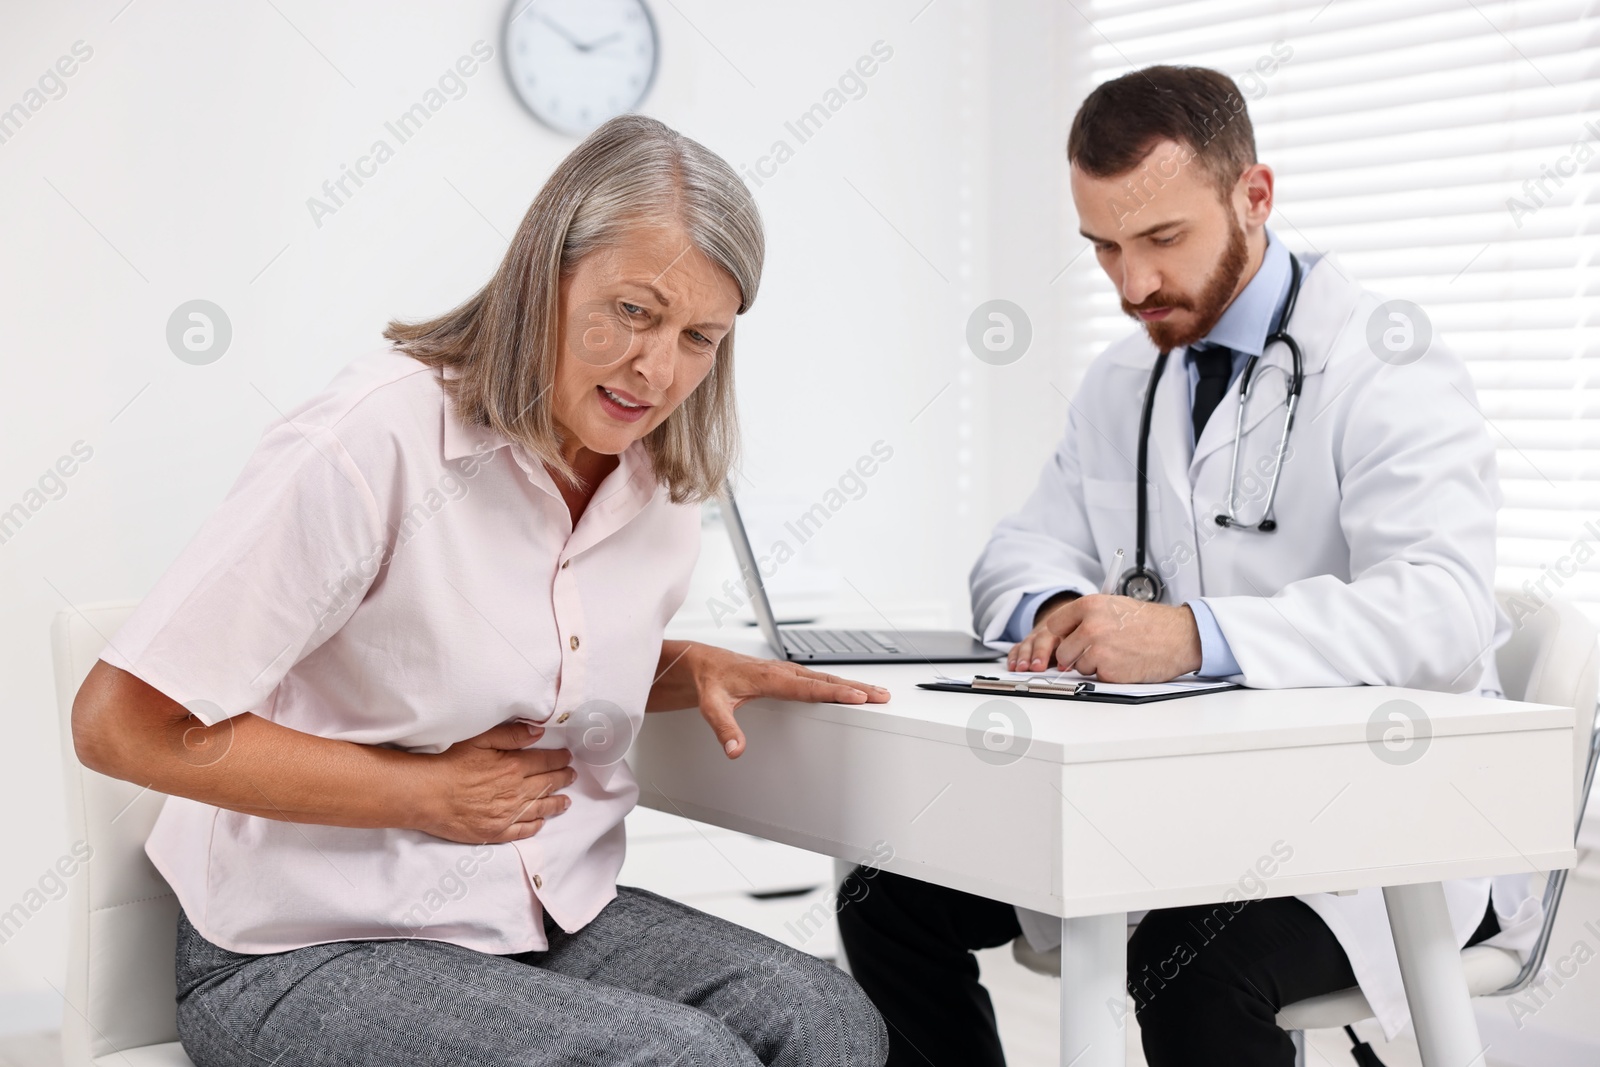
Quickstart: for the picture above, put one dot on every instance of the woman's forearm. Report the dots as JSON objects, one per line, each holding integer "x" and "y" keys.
{"x": 129, "y": 730}
{"x": 675, "y": 686}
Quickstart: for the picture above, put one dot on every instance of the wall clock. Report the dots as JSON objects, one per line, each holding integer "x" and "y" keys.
{"x": 577, "y": 63}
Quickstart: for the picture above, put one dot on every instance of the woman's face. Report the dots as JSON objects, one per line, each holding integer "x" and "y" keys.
{"x": 640, "y": 325}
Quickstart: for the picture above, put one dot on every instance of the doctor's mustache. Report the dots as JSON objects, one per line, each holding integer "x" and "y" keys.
{"x": 1161, "y": 298}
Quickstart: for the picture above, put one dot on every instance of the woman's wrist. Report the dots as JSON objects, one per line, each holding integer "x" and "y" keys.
{"x": 677, "y": 683}
{"x": 693, "y": 658}
{"x": 415, "y": 784}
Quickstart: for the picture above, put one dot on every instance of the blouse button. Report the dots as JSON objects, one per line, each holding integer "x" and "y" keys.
{"x": 573, "y": 642}
{"x": 563, "y": 717}
{"x": 538, "y": 883}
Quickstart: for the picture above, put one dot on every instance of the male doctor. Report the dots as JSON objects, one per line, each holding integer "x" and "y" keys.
{"x": 1378, "y": 569}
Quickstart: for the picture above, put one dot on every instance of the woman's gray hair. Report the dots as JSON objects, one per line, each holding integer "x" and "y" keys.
{"x": 504, "y": 340}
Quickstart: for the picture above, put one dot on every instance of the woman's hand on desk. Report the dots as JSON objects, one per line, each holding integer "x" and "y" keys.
{"x": 492, "y": 788}
{"x": 720, "y": 682}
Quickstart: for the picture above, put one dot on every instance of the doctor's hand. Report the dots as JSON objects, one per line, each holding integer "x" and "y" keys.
{"x": 1114, "y": 638}
{"x": 720, "y": 682}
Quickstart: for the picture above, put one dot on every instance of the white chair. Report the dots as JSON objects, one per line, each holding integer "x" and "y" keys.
{"x": 1552, "y": 657}
{"x": 120, "y": 994}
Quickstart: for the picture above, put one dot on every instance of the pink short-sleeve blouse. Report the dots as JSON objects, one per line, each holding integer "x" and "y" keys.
{"x": 383, "y": 574}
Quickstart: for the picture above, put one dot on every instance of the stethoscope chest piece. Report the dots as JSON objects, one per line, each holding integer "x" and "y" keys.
{"x": 1141, "y": 583}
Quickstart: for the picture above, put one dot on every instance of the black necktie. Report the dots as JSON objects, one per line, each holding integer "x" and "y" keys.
{"x": 1215, "y": 364}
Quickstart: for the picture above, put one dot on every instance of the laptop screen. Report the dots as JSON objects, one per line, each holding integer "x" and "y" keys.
{"x": 752, "y": 573}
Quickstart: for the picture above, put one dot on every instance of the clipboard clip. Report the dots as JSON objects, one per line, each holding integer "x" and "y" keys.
{"x": 1040, "y": 685}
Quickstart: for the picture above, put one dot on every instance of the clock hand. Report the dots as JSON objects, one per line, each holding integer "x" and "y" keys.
{"x": 602, "y": 42}
{"x": 573, "y": 41}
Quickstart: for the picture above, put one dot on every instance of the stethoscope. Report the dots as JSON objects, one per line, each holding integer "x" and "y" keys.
{"x": 1139, "y": 581}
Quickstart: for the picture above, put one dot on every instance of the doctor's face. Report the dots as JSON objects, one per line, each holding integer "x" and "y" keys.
{"x": 1177, "y": 252}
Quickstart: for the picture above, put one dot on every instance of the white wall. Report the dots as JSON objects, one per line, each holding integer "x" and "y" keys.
{"x": 178, "y": 163}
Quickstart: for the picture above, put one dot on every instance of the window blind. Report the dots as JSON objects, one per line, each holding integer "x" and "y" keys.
{"x": 1447, "y": 151}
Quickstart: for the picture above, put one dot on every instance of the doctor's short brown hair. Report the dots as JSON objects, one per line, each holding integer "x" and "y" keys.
{"x": 1202, "y": 109}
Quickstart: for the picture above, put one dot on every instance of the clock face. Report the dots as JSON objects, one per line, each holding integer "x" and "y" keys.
{"x": 577, "y": 63}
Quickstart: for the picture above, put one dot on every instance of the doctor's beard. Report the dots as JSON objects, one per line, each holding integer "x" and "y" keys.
{"x": 1214, "y": 298}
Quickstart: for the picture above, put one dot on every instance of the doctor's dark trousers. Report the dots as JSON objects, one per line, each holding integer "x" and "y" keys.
{"x": 1206, "y": 988}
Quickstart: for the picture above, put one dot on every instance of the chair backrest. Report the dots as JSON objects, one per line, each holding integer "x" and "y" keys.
{"x": 120, "y": 984}
{"x": 1553, "y": 657}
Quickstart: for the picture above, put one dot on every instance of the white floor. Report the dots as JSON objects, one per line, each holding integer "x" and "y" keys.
{"x": 1025, "y": 1004}
{"x": 30, "y": 1050}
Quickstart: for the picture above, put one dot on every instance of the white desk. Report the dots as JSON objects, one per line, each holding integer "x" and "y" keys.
{"x": 1114, "y": 808}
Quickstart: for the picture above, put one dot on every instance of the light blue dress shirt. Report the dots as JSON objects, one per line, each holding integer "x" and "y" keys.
{"x": 1244, "y": 327}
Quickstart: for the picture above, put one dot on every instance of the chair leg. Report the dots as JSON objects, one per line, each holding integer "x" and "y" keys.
{"x": 1299, "y": 1039}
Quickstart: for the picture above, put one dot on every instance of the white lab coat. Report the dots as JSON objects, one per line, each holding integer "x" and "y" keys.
{"x": 1380, "y": 573}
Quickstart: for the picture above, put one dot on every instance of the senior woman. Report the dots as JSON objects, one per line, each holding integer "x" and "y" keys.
{"x": 389, "y": 684}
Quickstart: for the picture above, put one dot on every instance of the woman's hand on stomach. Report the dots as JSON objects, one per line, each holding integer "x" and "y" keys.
{"x": 488, "y": 788}
{"x": 492, "y": 788}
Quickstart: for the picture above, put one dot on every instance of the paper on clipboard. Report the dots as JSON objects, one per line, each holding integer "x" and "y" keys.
{"x": 1073, "y": 683}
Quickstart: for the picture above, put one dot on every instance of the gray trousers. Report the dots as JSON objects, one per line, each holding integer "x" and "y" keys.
{"x": 648, "y": 982}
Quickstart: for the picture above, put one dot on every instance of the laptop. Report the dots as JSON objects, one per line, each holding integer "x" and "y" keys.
{"x": 807, "y": 645}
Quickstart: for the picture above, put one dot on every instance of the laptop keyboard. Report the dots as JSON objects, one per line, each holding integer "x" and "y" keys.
{"x": 846, "y": 641}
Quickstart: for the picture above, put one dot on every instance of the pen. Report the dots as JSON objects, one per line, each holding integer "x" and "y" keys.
{"x": 1031, "y": 685}
{"x": 1110, "y": 584}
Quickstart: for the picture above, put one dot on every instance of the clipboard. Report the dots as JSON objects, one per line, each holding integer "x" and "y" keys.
{"x": 1088, "y": 690}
